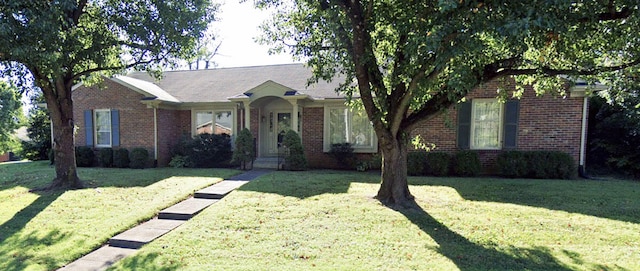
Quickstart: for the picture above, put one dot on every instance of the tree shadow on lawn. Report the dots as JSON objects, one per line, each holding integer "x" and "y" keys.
{"x": 146, "y": 262}
{"x": 464, "y": 253}
{"x": 612, "y": 200}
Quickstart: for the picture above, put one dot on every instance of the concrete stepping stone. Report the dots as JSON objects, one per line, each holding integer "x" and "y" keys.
{"x": 99, "y": 259}
{"x": 186, "y": 209}
{"x": 144, "y": 233}
{"x": 219, "y": 190}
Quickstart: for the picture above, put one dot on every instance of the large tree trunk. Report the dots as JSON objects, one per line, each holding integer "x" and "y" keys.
{"x": 394, "y": 189}
{"x": 60, "y": 108}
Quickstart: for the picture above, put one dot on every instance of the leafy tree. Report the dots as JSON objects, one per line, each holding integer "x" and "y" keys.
{"x": 410, "y": 60}
{"x": 244, "y": 152}
{"x": 295, "y": 159}
{"x": 39, "y": 131}
{"x": 10, "y": 116}
{"x": 61, "y": 43}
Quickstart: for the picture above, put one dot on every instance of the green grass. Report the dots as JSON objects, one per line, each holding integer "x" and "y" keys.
{"x": 48, "y": 229}
{"x": 327, "y": 220}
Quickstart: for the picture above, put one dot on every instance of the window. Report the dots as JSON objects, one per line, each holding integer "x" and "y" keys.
{"x": 214, "y": 122}
{"x": 102, "y": 120}
{"x": 486, "y": 124}
{"x": 343, "y": 125}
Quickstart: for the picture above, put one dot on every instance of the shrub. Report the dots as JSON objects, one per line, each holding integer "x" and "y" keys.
{"x": 466, "y": 164}
{"x": 513, "y": 164}
{"x": 207, "y": 150}
{"x": 550, "y": 165}
{"x": 415, "y": 163}
{"x": 84, "y": 156}
{"x": 295, "y": 160}
{"x": 375, "y": 162}
{"x": 244, "y": 152}
{"x": 343, "y": 153}
{"x": 105, "y": 157}
{"x": 138, "y": 158}
{"x": 437, "y": 164}
{"x": 179, "y": 161}
{"x": 121, "y": 158}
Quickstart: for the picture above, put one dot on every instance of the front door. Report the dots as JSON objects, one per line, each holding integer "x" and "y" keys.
{"x": 282, "y": 124}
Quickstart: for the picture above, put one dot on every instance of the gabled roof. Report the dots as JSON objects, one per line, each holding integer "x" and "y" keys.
{"x": 217, "y": 85}
{"x": 147, "y": 89}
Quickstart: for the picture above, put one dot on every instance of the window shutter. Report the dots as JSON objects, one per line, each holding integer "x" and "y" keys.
{"x": 511, "y": 112}
{"x": 464, "y": 125}
{"x": 88, "y": 128}
{"x": 115, "y": 128}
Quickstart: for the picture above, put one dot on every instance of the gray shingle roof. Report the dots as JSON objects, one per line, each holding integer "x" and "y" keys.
{"x": 216, "y": 85}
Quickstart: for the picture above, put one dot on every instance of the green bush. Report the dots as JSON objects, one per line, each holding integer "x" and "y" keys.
{"x": 139, "y": 158}
{"x": 375, "y": 162}
{"x": 343, "y": 154}
{"x": 466, "y": 164}
{"x": 295, "y": 159}
{"x": 244, "y": 151}
{"x": 206, "y": 150}
{"x": 437, "y": 164}
{"x": 121, "y": 158}
{"x": 179, "y": 161}
{"x": 84, "y": 156}
{"x": 105, "y": 157}
{"x": 513, "y": 164}
{"x": 416, "y": 161}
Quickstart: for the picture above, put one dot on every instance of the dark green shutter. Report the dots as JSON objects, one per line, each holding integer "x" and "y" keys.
{"x": 115, "y": 128}
{"x": 511, "y": 112}
{"x": 88, "y": 127}
{"x": 464, "y": 125}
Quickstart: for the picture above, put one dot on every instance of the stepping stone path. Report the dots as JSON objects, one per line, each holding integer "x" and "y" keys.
{"x": 128, "y": 242}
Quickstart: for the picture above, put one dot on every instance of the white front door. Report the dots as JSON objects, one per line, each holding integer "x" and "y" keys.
{"x": 281, "y": 124}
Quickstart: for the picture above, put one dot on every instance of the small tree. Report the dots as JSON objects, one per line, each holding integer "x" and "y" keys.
{"x": 295, "y": 160}
{"x": 38, "y": 147}
{"x": 244, "y": 152}
{"x": 10, "y": 113}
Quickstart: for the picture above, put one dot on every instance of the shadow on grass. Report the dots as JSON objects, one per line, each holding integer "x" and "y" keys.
{"x": 14, "y": 247}
{"x": 470, "y": 256}
{"x": 464, "y": 253}
{"x": 616, "y": 200}
{"x": 146, "y": 262}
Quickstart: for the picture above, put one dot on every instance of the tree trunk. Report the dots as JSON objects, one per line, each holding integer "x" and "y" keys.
{"x": 394, "y": 189}
{"x": 60, "y": 108}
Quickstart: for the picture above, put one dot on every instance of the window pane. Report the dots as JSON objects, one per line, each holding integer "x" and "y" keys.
{"x": 204, "y": 122}
{"x": 486, "y": 124}
{"x": 337, "y": 125}
{"x": 103, "y": 127}
{"x": 361, "y": 129}
{"x": 224, "y": 122}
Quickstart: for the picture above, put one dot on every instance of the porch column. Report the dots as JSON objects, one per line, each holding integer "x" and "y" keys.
{"x": 294, "y": 118}
{"x": 247, "y": 115}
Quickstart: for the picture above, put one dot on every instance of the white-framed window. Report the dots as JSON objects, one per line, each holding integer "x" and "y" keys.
{"x": 486, "y": 124}
{"x": 214, "y": 122}
{"x": 102, "y": 127}
{"x": 344, "y": 125}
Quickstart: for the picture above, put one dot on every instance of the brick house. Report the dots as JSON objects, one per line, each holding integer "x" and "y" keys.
{"x": 138, "y": 111}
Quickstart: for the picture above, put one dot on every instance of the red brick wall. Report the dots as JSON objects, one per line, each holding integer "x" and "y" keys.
{"x": 545, "y": 123}
{"x": 136, "y": 120}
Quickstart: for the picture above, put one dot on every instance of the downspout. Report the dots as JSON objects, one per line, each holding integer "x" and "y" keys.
{"x": 583, "y": 139}
{"x": 155, "y": 134}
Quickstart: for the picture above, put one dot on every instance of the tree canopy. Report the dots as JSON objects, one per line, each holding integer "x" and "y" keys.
{"x": 410, "y": 60}
{"x": 10, "y": 115}
{"x": 58, "y": 44}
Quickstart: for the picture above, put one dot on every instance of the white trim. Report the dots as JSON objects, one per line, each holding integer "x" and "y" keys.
{"x": 500, "y": 125}
{"x": 583, "y": 131}
{"x": 95, "y": 128}
{"x": 326, "y": 142}
{"x": 155, "y": 133}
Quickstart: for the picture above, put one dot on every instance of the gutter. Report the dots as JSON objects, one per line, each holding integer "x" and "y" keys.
{"x": 583, "y": 139}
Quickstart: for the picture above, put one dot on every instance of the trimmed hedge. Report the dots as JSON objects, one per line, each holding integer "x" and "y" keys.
{"x": 105, "y": 157}
{"x": 84, "y": 156}
{"x": 416, "y": 161}
{"x": 139, "y": 158}
{"x": 205, "y": 150}
{"x": 295, "y": 160}
{"x": 121, "y": 158}
{"x": 437, "y": 164}
{"x": 466, "y": 164}
{"x": 537, "y": 164}
{"x": 343, "y": 154}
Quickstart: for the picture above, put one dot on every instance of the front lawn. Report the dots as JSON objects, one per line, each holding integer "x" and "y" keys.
{"x": 48, "y": 229}
{"x": 327, "y": 220}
